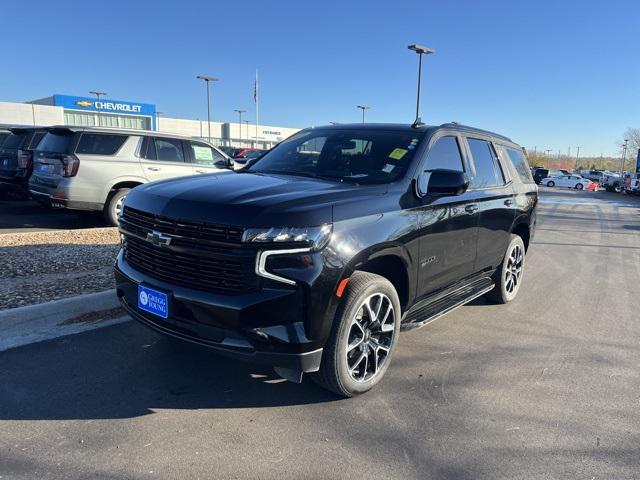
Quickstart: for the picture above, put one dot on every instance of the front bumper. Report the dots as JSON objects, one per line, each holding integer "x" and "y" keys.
{"x": 266, "y": 326}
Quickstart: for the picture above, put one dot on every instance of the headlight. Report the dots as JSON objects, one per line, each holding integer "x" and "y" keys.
{"x": 315, "y": 238}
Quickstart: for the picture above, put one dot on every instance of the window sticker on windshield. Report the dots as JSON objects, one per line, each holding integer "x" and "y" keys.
{"x": 388, "y": 168}
{"x": 398, "y": 153}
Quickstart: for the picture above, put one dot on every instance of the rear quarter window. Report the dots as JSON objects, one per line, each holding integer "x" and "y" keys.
{"x": 100, "y": 144}
{"x": 519, "y": 164}
{"x": 55, "y": 142}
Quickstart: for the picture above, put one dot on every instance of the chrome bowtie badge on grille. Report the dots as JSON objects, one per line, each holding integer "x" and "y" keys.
{"x": 158, "y": 239}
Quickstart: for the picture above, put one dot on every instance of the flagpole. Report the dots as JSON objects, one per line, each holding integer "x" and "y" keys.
{"x": 257, "y": 101}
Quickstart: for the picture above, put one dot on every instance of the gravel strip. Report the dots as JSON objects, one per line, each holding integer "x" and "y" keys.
{"x": 38, "y": 267}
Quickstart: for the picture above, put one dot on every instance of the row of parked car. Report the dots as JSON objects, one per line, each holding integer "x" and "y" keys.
{"x": 612, "y": 182}
{"x": 44, "y": 163}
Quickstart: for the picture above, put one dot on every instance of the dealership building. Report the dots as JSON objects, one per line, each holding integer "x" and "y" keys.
{"x": 103, "y": 112}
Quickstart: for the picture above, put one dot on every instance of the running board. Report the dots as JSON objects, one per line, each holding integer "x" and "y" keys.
{"x": 433, "y": 308}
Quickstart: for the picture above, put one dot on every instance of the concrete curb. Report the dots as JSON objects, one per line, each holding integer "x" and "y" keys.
{"x": 35, "y": 323}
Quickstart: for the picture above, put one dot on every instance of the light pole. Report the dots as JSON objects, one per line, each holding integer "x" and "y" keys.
{"x": 624, "y": 156}
{"x": 363, "y": 108}
{"x": 208, "y": 79}
{"x": 420, "y": 50}
{"x": 98, "y": 94}
{"x": 247, "y": 122}
{"x": 577, "y": 157}
{"x": 240, "y": 112}
{"x": 547, "y": 155}
{"x": 158, "y": 120}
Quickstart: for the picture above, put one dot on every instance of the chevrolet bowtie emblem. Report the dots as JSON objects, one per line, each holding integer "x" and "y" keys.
{"x": 84, "y": 103}
{"x": 158, "y": 239}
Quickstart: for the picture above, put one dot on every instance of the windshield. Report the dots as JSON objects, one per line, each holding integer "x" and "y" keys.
{"x": 352, "y": 155}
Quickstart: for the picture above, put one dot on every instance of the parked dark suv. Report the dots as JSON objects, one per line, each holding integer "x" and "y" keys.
{"x": 16, "y": 158}
{"x": 314, "y": 257}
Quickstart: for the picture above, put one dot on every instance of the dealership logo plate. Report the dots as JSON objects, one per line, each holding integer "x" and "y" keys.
{"x": 153, "y": 301}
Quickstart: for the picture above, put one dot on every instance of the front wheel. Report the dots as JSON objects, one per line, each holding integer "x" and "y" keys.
{"x": 363, "y": 337}
{"x": 579, "y": 186}
{"x": 508, "y": 277}
{"x": 113, "y": 206}
{"x": 551, "y": 184}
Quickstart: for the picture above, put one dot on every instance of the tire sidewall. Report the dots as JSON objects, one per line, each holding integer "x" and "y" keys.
{"x": 110, "y": 209}
{"x": 352, "y": 304}
{"x": 506, "y": 296}
{"x": 551, "y": 184}
{"x": 579, "y": 186}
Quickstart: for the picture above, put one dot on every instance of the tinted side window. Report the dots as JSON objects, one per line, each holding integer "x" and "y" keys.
{"x": 148, "y": 148}
{"x": 203, "y": 154}
{"x": 445, "y": 154}
{"x": 100, "y": 144}
{"x": 169, "y": 150}
{"x": 520, "y": 165}
{"x": 484, "y": 161}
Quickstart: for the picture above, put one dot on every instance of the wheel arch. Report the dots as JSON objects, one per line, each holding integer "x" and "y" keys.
{"x": 523, "y": 230}
{"x": 392, "y": 262}
{"x": 124, "y": 182}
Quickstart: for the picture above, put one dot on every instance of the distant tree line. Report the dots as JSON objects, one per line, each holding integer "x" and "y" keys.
{"x": 564, "y": 161}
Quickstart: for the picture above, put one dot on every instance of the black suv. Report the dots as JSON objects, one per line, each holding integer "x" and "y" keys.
{"x": 316, "y": 256}
{"x": 16, "y": 158}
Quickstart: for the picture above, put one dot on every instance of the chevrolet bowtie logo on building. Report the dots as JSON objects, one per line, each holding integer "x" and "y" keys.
{"x": 84, "y": 103}
{"x": 158, "y": 239}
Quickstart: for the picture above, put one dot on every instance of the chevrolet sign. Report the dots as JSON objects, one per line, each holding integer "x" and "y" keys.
{"x": 84, "y": 103}
{"x": 117, "y": 107}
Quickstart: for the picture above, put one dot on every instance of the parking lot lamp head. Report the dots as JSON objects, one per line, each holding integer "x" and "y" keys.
{"x": 207, "y": 79}
{"x": 420, "y": 50}
{"x": 363, "y": 108}
{"x": 98, "y": 94}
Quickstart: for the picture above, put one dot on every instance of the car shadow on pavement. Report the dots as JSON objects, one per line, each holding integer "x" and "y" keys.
{"x": 127, "y": 371}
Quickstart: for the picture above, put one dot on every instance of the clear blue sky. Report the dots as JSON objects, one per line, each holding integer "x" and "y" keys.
{"x": 550, "y": 74}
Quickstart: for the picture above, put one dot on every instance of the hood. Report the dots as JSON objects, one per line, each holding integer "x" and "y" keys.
{"x": 250, "y": 199}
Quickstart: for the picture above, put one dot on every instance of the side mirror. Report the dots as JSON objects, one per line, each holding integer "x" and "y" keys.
{"x": 441, "y": 183}
{"x": 226, "y": 163}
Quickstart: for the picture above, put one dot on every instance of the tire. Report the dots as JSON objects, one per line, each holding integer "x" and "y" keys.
{"x": 507, "y": 280}
{"x": 113, "y": 206}
{"x": 579, "y": 186}
{"x": 348, "y": 367}
{"x": 551, "y": 184}
{"x": 617, "y": 188}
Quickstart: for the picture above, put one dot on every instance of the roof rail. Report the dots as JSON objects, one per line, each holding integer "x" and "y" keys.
{"x": 474, "y": 129}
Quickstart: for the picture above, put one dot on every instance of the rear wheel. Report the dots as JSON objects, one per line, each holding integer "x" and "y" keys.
{"x": 551, "y": 184}
{"x": 508, "y": 277}
{"x": 363, "y": 336}
{"x": 579, "y": 186}
{"x": 113, "y": 206}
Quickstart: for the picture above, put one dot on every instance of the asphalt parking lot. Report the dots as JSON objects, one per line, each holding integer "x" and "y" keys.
{"x": 30, "y": 216}
{"x": 545, "y": 387}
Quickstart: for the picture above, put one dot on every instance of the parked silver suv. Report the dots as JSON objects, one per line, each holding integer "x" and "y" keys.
{"x": 85, "y": 168}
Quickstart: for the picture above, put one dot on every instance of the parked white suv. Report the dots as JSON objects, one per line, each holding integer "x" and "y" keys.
{"x": 94, "y": 168}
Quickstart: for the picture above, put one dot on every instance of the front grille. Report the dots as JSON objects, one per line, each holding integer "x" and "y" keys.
{"x": 201, "y": 256}
{"x": 228, "y": 274}
{"x": 183, "y": 228}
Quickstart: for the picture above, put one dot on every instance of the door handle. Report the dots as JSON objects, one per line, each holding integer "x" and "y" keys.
{"x": 471, "y": 208}
{"x": 508, "y": 203}
{"x": 154, "y": 169}
{"x": 201, "y": 171}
